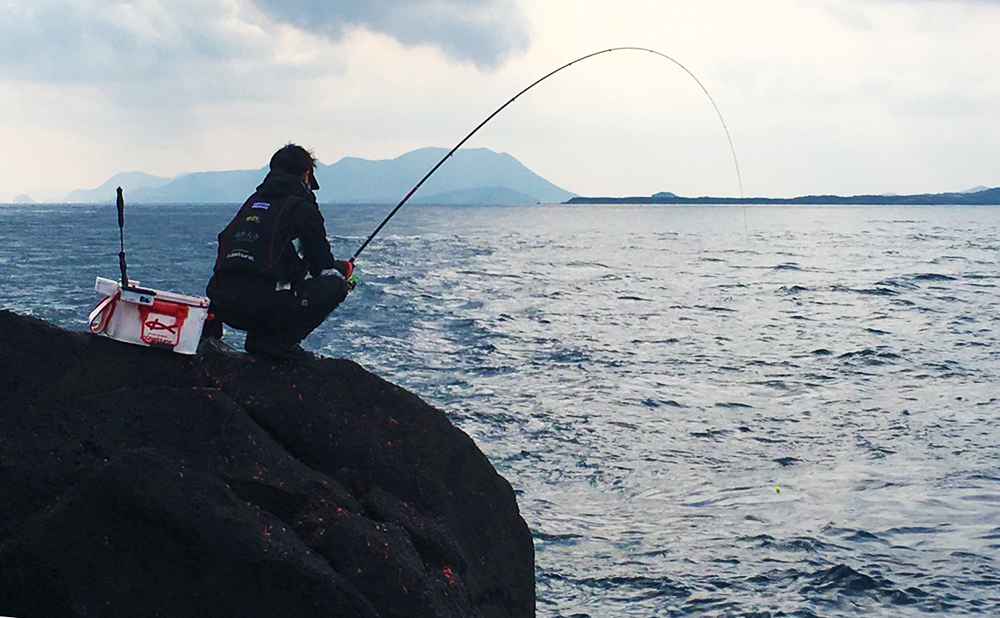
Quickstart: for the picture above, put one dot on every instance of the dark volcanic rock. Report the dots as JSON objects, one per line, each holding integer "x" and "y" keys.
{"x": 136, "y": 482}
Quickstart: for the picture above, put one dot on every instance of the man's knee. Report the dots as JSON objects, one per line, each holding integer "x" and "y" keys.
{"x": 321, "y": 293}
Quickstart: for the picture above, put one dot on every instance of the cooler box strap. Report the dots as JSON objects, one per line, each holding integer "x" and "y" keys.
{"x": 102, "y": 313}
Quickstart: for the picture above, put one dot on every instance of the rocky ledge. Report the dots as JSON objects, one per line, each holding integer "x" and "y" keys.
{"x": 136, "y": 482}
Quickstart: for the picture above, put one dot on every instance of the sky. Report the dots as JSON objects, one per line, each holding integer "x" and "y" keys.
{"x": 819, "y": 96}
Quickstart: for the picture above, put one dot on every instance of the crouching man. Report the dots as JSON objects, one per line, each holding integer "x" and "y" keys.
{"x": 260, "y": 283}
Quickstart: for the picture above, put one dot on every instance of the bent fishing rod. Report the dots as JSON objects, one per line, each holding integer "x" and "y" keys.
{"x": 515, "y": 97}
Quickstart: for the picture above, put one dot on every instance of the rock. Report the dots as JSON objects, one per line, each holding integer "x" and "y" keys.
{"x": 136, "y": 482}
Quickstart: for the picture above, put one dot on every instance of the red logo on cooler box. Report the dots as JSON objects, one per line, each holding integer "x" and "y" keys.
{"x": 162, "y": 322}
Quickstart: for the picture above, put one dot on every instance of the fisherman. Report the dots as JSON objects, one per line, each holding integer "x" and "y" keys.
{"x": 277, "y": 238}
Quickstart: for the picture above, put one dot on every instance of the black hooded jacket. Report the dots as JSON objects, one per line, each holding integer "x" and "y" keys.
{"x": 260, "y": 237}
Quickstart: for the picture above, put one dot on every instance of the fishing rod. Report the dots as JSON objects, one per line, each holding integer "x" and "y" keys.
{"x": 514, "y": 98}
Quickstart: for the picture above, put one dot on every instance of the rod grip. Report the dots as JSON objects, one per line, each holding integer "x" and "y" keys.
{"x": 122, "y": 267}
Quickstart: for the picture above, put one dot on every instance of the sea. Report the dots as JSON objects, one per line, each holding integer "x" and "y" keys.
{"x": 749, "y": 411}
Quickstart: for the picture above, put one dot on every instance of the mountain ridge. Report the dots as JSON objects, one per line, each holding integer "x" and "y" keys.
{"x": 128, "y": 181}
{"x": 474, "y": 175}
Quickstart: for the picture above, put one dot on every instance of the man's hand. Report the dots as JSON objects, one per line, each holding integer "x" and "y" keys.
{"x": 345, "y": 268}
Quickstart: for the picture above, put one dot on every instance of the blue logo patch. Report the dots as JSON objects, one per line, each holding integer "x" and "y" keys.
{"x": 261, "y": 205}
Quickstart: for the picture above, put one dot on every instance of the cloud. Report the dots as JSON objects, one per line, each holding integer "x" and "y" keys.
{"x": 483, "y": 31}
{"x": 139, "y": 41}
{"x": 81, "y": 41}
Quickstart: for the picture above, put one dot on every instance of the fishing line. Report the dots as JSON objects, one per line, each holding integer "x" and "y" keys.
{"x": 406, "y": 198}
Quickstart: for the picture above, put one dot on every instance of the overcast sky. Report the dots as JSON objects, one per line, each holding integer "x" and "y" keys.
{"x": 820, "y": 96}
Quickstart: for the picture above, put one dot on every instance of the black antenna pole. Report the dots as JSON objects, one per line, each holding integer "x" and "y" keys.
{"x": 121, "y": 233}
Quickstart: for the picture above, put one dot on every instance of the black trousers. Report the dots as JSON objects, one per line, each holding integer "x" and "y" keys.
{"x": 250, "y": 302}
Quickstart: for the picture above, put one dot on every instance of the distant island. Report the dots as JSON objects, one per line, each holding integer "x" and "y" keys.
{"x": 472, "y": 176}
{"x": 982, "y": 197}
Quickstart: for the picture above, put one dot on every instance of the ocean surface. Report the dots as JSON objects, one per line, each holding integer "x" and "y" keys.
{"x": 704, "y": 411}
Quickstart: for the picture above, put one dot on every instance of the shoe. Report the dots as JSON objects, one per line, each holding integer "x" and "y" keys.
{"x": 212, "y": 328}
{"x": 259, "y": 344}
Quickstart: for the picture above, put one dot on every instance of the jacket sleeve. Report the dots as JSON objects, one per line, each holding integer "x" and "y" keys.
{"x": 312, "y": 236}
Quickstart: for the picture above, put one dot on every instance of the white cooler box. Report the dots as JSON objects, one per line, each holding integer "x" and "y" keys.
{"x": 148, "y": 317}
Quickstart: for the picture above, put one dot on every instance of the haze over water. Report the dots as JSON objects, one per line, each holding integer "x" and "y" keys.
{"x": 648, "y": 377}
